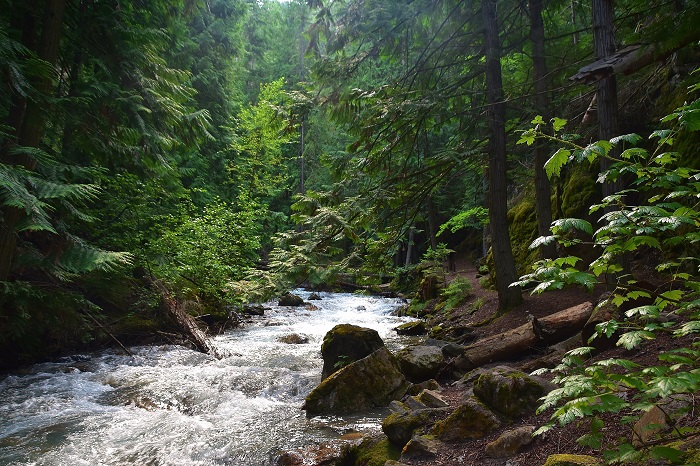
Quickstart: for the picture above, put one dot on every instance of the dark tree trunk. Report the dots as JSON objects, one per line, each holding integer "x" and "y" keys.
{"x": 498, "y": 182}
{"x": 606, "y": 96}
{"x": 543, "y": 190}
{"x": 30, "y": 117}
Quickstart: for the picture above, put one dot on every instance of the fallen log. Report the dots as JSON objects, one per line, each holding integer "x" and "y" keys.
{"x": 520, "y": 340}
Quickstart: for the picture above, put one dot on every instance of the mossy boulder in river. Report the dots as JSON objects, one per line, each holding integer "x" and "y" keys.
{"x": 371, "y": 382}
{"x": 346, "y": 343}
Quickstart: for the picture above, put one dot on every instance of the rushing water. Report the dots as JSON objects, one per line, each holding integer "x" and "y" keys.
{"x": 173, "y": 406}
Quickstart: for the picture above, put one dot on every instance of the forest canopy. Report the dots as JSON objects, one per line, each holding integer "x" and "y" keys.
{"x": 218, "y": 152}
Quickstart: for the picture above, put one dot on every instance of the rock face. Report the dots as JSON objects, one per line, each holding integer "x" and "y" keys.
{"x": 346, "y": 343}
{"x": 510, "y": 392}
{"x": 420, "y": 363}
{"x": 371, "y": 382}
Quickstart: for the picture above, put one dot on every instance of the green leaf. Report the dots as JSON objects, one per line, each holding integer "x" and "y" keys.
{"x": 528, "y": 137}
{"x": 538, "y": 120}
{"x": 558, "y": 124}
{"x": 567, "y": 224}
{"x": 631, "y": 138}
{"x": 632, "y": 339}
{"x": 555, "y": 163}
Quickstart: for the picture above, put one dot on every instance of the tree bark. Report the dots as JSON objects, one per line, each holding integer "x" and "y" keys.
{"x": 29, "y": 124}
{"x": 543, "y": 190}
{"x": 521, "y": 340}
{"x": 506, "y": 274}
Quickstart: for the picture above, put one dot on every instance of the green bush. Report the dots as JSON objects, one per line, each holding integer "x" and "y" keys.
{"x": 667, "y": 223}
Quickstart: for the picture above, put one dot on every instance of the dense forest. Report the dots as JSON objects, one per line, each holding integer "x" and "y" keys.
{"x": 194, "y": 156}
{"x": 215, "y": 153}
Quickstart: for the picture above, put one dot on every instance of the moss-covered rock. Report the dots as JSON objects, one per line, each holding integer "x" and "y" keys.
{"x": 510, "y": 443}
{"x": 510, "y": 392}
{"x": 411, "y": 328}
{"x": 346, "y": 343}
{"x": 571, "y": 460}
{"x": 420, "y": 363}
{"x": 371, "y": 382}
{"x": 471, "y": 419}
{"x": 400, "y": 427}
{"x": 374, "y": 450}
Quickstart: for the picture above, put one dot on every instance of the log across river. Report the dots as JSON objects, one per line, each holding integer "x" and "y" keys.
{"x": 173, "y": 406}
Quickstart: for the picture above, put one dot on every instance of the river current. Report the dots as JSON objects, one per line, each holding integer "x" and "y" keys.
{"x": 173, "y": 406}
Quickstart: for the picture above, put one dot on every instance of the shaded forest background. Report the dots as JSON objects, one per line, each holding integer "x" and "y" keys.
{"x": 205, "y": 154}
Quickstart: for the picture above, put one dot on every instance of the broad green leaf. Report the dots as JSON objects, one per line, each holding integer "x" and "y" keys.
{"x": 558, "y": 124}
{"x": 631, "y": 138}
{"x": 631, "y": 339}
{"x": 538, "y": 120}
{"x": 555, "y": 163}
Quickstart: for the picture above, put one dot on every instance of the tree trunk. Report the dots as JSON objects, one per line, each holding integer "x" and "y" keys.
{"x": 543, "y": 190}
{"x": 606, "y": 95}
{"x": 29, "y": 124}
{"x": 498, "y": 182}
{"x": 521, "y": 340}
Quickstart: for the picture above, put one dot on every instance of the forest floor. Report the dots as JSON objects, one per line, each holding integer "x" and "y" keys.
{"x": 561, "y": 440}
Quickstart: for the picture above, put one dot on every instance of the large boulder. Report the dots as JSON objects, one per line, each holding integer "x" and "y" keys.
{"x": 400, "y": 427}
{"x": 371, "y": 382}
{"x": 420, "y": 363}
{"x": 346, "y": 343}
{"x": 472, "y": 419}
{"x": 509, "y": 391}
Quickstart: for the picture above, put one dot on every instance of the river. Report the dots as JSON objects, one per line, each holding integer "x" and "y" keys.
{"x": 173, "y": 406}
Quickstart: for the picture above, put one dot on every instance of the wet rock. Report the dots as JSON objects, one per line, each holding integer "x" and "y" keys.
{"x": 510, "y": 392}
{"x": 294, "y": 339}
{"x": 253, "y": 309}
{"x": 373, "y": 450}
{"x": 346, "y": 343}
{"x": 314, "y": 297}
{"x": 289, "y": 299}
{"x": 420, "y": 447}
{"x": 411, "y": 328}
{"x": 471, "y": 419}
{"x": 510, "y": 443}
{"x": 570, "y": 460}
{"x": 400, "y": 427}
{"x": 371, "y": 382}
{"x": 421, "y": 363}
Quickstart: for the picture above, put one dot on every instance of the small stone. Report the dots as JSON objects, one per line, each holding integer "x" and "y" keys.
{"x": 420, "y": 447}
{"x": 416, "y": 388}
{"x": 294, "y": 339}
{"x": 510, "y": 443}
{"x": 431, "y": 399}
{"x": 650, "y": 424}
{"x": 314, "y": 297}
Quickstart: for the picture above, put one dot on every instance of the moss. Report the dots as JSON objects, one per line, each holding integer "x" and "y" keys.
{"x": 570, "y": 460}
{"x": 522, "y": 221}
{"x": 374, "y": 451}
{"x": 579, "y": 192}
{"x": 472, "y": 419}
